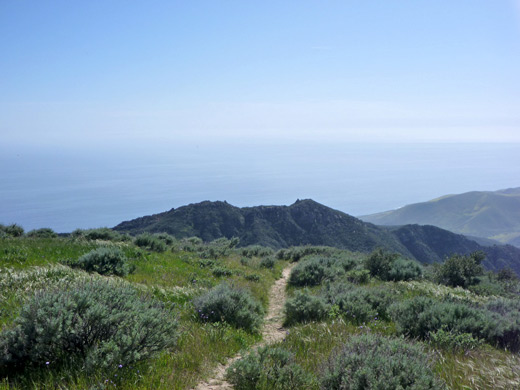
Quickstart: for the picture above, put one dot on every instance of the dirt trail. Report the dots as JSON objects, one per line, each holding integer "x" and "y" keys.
{"x": 272, "y": 332}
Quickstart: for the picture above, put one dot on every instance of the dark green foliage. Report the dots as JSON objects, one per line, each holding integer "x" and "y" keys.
{"x": 12, "y": 230}
{"x": 360, "y": 304}
{"x": 102, "y": 234}
{"x": 372, "y": 362}
{"x": 298, "y": 252}
{"x": 460, "y": 342}
{"x": 268, "y": 368}
{"x": 358, "y": 276}
{"x": 268, "y": 262}
{"x": 256, "y": 250}
{"x": 42, "y": 233}
{"x": 150, "y": 242}
{"x": 498, "y": 322}
{"x": 460, "y": 270}
{"x": 252, "y": 277}
{"x": 95, "y": 324}
{"x": 391, "y": 267}
{"x": 507, "y": 275}
{"x": 219, "y": 271}
{"x": 505, "y": 319}
{"x": 236, "y": 306}
{"x": 311, "y": 272}
{"x": 419, "y": 316}
{"x": 166, "y": 238}
{"x": 304, "y": 307}
{"x": 104, "y": 261}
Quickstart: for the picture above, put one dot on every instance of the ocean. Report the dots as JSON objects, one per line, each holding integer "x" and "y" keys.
{"x": 69, "y": 188}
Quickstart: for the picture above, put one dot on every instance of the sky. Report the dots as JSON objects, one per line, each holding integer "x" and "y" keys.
{"x": 77, "y": 74}
{"x": 112, "y": 109}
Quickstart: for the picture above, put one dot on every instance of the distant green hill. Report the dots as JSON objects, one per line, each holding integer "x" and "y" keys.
{"x": 307, "y": 222}
{"x": 494, "y": 215}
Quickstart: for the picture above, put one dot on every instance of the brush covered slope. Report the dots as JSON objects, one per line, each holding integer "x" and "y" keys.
{"x": 307, "y": 222}
{"x": 494, "y": 215}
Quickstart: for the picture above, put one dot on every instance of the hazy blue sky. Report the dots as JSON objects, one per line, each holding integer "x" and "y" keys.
{"x": 77, "y": 73}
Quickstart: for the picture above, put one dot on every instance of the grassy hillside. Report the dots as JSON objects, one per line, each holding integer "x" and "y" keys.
{"x": 494, "y": 215}
{"x": 307, "y": 222}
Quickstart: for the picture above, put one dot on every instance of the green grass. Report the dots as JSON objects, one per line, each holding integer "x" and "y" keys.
{"x": 175, "y": 277}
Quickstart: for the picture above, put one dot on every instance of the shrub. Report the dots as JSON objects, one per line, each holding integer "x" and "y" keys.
{"x": 376, "y": 362}
{"x": 12, "y": 230}
{"x": 358, "y": 276}
{"x": 268, "y": 368}
{"x": 298, "y": 252}
{"x": 304, "y": 307}
{"x": 42, "y": 233}
{"x": 460, "y": 270}
{"x": 505, "y": 319}
{"x": 311, "y": 272}
{"x": 95, "y": 324}
{"x": 256, "y": 250}
{"x": 268, "y": 262}
{"x": 379, "y": 263}
{"x": 507, "y": 275}
{"x": 252, "y": 277}
{"x": 405, "y": 270}
{"x": 219, "y": 271}
{"x": 166, "y": 238}
{"x": 358, "y": 303}
{"x": 102, "y": 234}
{"x": 419, "y": 316}
{"x": 104, "y": 261}
{"x": 233, "y": 305}
{"x": 446, "y": 339}
{"x": 148, "y": 241}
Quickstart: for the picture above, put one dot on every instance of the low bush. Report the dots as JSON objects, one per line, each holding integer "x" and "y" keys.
{"x": 12, "y": 230}
{"x": 404, "y": 270}
{"x": 268, "y": 368}
{"x": 268, "y": 262}
{"x": 391, "y": 267}
{"x": 304, "y": 307}
{"x": 358, "y": 276}
{"x": 458, "y": 270}
{"x": 42, "y": 233}
{"x": 312, "y": 272}
{"x": 95, "y": 324}
{"x": 150, "y": 242}
{"x": 459, "y": 342}
{"x": 105, "y": 234}
{"x": 236, "y": 306}
{"x": 166, "y": 238}
{"x": 104, "y": 261}
{"x": 219, "y": 271}
{"x": 253, "y": 277}
{"x": 360, "y": 304}
{"x": 298, "y": 252}
{"x": 256, "y": 251}
{"x": 369, "y": 362}
{"x": 504, "y": 315}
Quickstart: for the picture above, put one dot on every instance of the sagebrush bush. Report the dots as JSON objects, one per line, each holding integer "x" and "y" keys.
{"x": 358, "y": 276}
{"x": 370, "y": 362}
{"x": 256, "y": 250}
{"x": 151, "y": 242}
{"x": 253, "y": 277}
{"x": 312, "y": 272}
{"x": 104, "y": 261}
{"x": 453, "y": 341}
{"x": 304, "y": 307}
{"x": 404, "y": 270}
{"x": 220, "y": 271}
{"x": 504, "y": 314}
{"x": 105, "y": 233}
{"x": 298, "y": 252}
{"x": 391, "y": 267}
{"x": 459, "y": 270}
{"x": 268, "y": 262}
{"x": 233, "y": 305}
{"x": 95, "y": 324}
{"x": 268, "y": 368}
{"x": 12, "y": 230}
{"x": 168, "y": 239}
{"x": 42, "y": 233}
{"x": 360, "y": 304}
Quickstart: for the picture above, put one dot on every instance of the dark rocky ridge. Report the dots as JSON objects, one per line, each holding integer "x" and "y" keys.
{"x": 307, "y": 222}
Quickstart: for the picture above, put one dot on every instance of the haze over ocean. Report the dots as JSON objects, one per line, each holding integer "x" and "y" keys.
{"x": 67, "y": 189}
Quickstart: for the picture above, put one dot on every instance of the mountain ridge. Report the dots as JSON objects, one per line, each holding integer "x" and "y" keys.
{"x": 307, "y": 222}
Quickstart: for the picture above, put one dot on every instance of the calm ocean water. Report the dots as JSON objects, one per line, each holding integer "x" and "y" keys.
{"x": 69, "y": 189}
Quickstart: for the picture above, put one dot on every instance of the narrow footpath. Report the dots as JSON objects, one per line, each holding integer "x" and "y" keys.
{"x": 272, "y": 332}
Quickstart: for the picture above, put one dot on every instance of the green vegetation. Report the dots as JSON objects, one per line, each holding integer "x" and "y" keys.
{"x": 353, "y": 320}
{"x": 266, "y": 369}
{"x": 104, "y": 261}
{"x": 153, "y": 307}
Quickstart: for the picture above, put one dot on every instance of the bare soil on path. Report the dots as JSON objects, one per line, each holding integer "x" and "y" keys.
{"x": 272, "y": 332}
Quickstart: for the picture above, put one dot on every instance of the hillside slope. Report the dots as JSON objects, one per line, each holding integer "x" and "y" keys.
{"x": 494, "y": 215}
{"x": 307, "y": 222}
